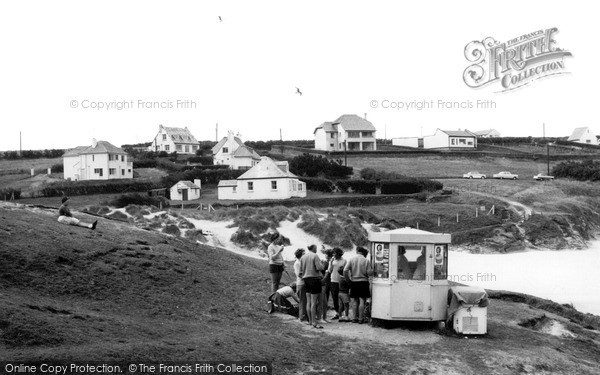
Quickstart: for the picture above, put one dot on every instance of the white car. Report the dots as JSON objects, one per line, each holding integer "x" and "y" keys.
{"x": 506, "y": 175}
{"x": 541, "y": 177}
{"x": 474, "y": 175}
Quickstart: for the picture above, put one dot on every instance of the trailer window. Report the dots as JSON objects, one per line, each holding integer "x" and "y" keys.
{"x": 411, "y": 262}
{"x": 382, "y": 260}
{"x": 440, "y": 262}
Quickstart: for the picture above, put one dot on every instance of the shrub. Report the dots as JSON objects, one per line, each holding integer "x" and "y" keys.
{"x": 138, "y": 199}
{"x": 356, "y": 186}
{"x": 204, "y": 160}
{"x": 318, "y": 184}
{"x": 57, "y": 168}
{"x": 172, "y": 229}
{"x": 377, "y": 174}
{"x": 207, "y": 176}
{"x": 94, "y": 187}
{"x": 584, "y": 170}
{"x": 10, "y": 193}
{"x": 145, "y": 163}
{"x": 312, "y": 166}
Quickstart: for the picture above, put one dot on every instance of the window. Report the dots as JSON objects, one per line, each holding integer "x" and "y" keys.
{"x": 178, "y": 147}
{"x": 129, "y": 170}
{"x": 381, "y": 267}
{"x": 122, "y": 157}
{"x": 187, "y": 148}
{"x": 164, "y": 137}
{"x": 235, "y": 189}
{"x": 273, "y": 185}
{"x": 353, "y": 134}
{"x": 300, "y": 186}
{"x": 367, "y": 134}
{"x": 93, "y": 158}
{"x": 250, "y": 186}
{"x": 167, "y": 147}
{"x": 331, "y": 145}
{"x": 440, "y": 262}
{"x": 122, "y": 172}
{"x": 112, "y": 171}
{"x": 110, "y": 157}
{"x": 453, "y": 140}
{"x": 225, "y": 150}
{"x": 332, "y": 135}
{"x": 462, "y": 141}
{"x": 411, "y": 262}
{"x": 98, "y": 171}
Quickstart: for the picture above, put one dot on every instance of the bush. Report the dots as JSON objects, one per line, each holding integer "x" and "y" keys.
{"x": 204, "y": 160}
{"x": 57, "y": 168}
{"x": 312, "y": 166}
{"x": 61, "y": 188}
{"x": 318, "y": 184}
{"x": 586, "y": 170}
{"x": 207, "y": 176}
{"x": 10, "y": 193}
{"x": 125, "y": 200}
{"x": 377, "y": 174}
{"x": 356, "y": 186}
{"x": 145, "y": 163}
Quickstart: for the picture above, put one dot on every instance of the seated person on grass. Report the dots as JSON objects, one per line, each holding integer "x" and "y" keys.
{"x": 66, "y": 217}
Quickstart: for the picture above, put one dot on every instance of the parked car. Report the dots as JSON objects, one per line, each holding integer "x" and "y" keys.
{"x": 474, "y": 175}
{"x": 506, "y": 175}
{"x": 541, "y": 177}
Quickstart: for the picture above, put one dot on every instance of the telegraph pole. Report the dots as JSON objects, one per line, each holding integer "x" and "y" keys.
{"x": 20, "y": 147}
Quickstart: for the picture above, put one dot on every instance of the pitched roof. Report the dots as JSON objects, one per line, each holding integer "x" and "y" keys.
{"x": 458, "y": 133}
{"x": 189, "y": 184}
{"x": 244, "y": 152}
{"x": 577, "y": 133}
{"x": 102, "y": 147}
{"x": 486, "y": 132}
{"x": 354, "y": 123}
{"x": 328, "y": 127}
{"x": 180, "y": 135}
{"x": 266, "y": 168}
{"x": 218, "y": 146}
{"x": 227, "y": 183}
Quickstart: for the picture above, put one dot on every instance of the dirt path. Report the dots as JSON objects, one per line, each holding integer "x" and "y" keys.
{"x": 519, "y": 208}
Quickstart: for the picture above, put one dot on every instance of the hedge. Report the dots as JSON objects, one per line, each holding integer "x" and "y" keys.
{"x": 357, "y": 186}
{"x": 318, "y": 184}
{"x": 144, "y": 163}
{"x": 207, "y": 176}
{"x": 140, "y": 199}
{"x": 95, "y": 187}
{"x": 585, "y": 170}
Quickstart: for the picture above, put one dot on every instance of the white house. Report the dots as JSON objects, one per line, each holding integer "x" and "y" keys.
{"x": 441, "y": 139}
{"x": 583, "y": 135}
{"x": 186, "y": 190}
{"x": 231, "y": 151}
{"x": 266, "y": 180}
{"x": 170, "y": 139}
{"x": 487, "y": 133}
{"x": 100, "y": 161}
{"x": 348, "y": 132}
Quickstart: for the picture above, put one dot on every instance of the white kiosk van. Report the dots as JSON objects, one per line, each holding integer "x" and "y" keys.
{"x": 410, "y": 275}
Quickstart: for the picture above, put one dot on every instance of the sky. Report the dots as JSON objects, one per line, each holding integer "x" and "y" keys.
{"x": 178, "y": 64}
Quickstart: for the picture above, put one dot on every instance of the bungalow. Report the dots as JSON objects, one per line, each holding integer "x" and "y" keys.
{"x": 441, "y": 139}
{"x": 266, "y": 180}
{"x": 169, "y": 139}
{"x": 100, "y": 161}
{"x": 583, "y": 135}
{"x": 231, "y": 151}
{"x": 186, "y": 190}
{"x": 488, "y": 133}
{"x": 348, "y": 132}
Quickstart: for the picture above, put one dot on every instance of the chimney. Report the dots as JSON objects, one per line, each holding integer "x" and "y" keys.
{"x": 365, "y": 115}
{"x": 160, "y": 127}
{"x": 94, "y": 143}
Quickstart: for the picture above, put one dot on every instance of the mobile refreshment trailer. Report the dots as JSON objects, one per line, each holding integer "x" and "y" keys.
{"x": 410, "y": 275}
{"x": 410, "y": 282}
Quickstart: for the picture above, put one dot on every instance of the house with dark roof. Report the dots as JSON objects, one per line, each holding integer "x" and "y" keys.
{"x": 100, "y": 161}
{"x": 171, "y": 139}
{"x": 441, "y": 139}
{"x": 347, "y": 132}
{"x": 268, "y": 179}
{"x": 186, "y": 190}
{"x": 583, "y": 135}
{"x": 231, "y": 151}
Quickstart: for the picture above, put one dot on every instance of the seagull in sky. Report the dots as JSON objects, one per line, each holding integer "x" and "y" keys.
{"x": 298, "y": 91}
{"x": 220, "y": 19}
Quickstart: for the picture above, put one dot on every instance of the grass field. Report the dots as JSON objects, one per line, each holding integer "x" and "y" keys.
{"x": 25, "y": 165}
{"x": 448, "y": 166}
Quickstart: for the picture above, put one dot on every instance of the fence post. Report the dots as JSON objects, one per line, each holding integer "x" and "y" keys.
{"x": 476, "y": 211}
{"x": 417, "y": 225}
{"x": 457, "y": 217}
{"x": 438, "y": 221}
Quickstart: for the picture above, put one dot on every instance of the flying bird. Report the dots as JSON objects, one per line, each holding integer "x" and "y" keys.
{"x": 298, "y": 91}
{"x": 220, "y": 19}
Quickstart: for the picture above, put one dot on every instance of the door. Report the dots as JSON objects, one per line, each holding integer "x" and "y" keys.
{"x": 184, "y": 194}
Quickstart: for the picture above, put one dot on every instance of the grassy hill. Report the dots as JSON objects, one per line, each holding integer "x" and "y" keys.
{"x": 121, "y": 293}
